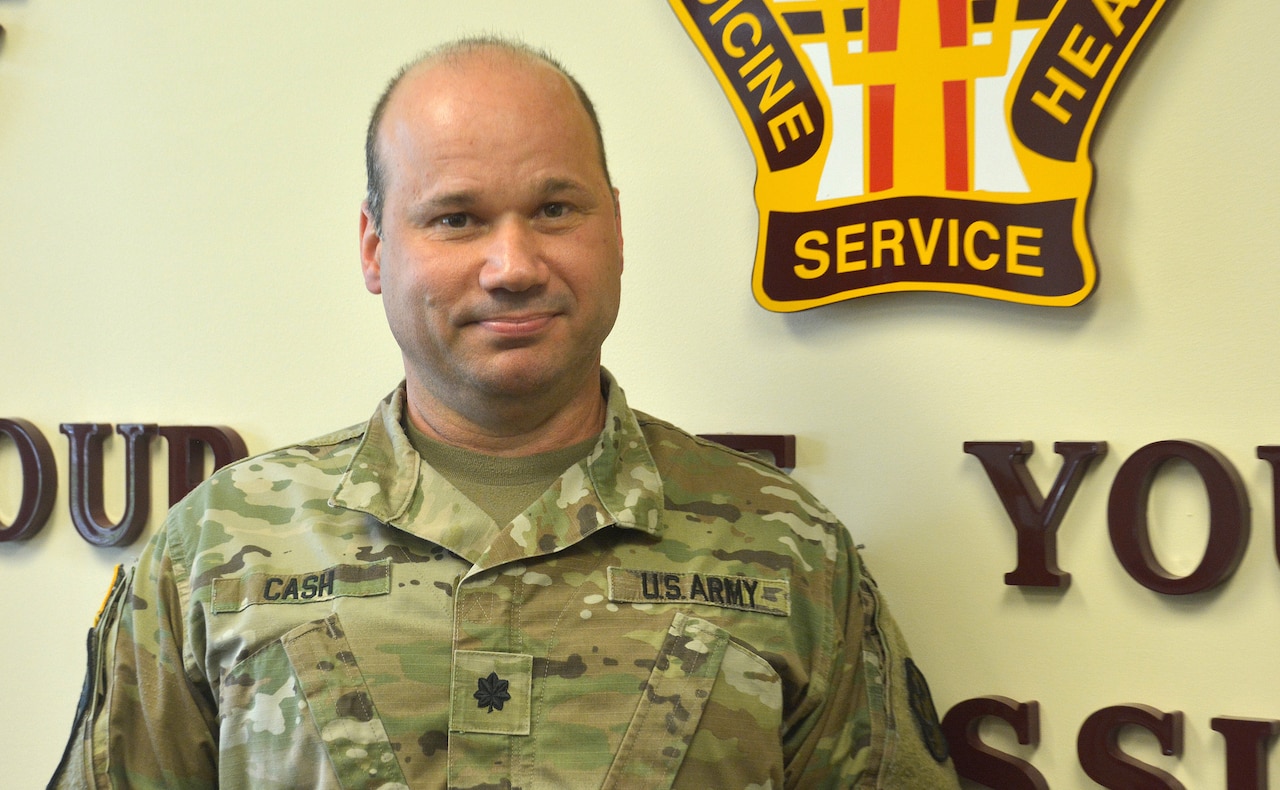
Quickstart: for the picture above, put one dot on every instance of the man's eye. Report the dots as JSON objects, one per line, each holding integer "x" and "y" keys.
{"x": 554, "y": 210}
{"x": 454, "y": 221}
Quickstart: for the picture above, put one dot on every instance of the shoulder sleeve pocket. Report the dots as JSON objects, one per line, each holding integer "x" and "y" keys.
{"x": 76, "y": 769}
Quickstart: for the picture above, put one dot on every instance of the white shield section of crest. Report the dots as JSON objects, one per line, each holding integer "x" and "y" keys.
{"x": 843, "y": 174}
{"x": 995, "y": 165}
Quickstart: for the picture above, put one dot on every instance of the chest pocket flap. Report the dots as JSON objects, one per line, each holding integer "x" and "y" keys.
{"x": 671, "y": 706}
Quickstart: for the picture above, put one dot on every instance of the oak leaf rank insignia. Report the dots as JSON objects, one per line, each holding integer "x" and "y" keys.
{"x": 491, "y": 692}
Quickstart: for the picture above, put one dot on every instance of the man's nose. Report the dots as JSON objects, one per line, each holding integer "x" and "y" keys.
{"x": 513, "y": 259}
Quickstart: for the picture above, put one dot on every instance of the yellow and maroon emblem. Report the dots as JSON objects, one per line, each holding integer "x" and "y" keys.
{"x": 919, "y": 145}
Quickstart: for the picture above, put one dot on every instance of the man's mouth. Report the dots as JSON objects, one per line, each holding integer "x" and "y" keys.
{"x": 516, "y": 326}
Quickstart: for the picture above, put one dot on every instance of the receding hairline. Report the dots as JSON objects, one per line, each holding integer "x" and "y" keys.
{"x": 458, "y": 53}
{"x": 459, "y": 50}
{"x": 466, "y": 53}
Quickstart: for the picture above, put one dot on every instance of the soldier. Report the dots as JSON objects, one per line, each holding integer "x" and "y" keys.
{"x": 507, "y": 577}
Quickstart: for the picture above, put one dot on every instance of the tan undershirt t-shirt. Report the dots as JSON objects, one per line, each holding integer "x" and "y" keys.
{"x": 501, "y": 487}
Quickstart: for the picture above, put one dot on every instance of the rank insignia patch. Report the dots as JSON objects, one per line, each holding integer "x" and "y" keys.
{"x": 491, "y": 692}
{"x": 919, "y": 145}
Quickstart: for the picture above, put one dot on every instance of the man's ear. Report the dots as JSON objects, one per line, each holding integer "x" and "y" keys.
{"x": 370, "y": 251}
{"x": 617, "y": 218}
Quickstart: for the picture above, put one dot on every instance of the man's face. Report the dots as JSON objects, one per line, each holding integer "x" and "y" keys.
{"x": 500, "y": 256}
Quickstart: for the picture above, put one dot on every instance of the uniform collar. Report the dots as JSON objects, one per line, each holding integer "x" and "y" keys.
{"x": 616, "y": 484}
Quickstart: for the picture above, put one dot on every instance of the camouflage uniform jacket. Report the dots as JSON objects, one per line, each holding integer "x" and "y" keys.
{"x": 670, "y": 614}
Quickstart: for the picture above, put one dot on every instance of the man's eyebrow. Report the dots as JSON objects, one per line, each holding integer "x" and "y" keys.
{"x": 447, "y": 200}
{"x": 430, "y": 205}
{"x": 427, "y": 207}
{"x": 560, "y": 186}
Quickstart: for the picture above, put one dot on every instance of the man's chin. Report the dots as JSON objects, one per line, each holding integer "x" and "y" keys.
{"x": 513, "y": 378}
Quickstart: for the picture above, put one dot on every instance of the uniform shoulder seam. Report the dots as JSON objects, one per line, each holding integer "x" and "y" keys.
{"x": 649, "y": 421}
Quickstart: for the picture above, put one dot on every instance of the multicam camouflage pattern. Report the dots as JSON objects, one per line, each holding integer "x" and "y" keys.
{"x": 670, "y": 614}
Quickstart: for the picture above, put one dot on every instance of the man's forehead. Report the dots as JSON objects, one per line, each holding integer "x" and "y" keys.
{"x": 447, "y": 74}
{"x": 450, "y": 92}
{"x": 457, "y": 100}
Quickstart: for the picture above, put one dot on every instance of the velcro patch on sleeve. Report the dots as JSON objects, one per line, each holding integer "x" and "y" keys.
{"x": 233, "y": 594}
{"x": 631, "y": 585}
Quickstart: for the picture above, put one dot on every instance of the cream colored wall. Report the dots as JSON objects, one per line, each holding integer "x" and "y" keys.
{"x": 179, "y": 185}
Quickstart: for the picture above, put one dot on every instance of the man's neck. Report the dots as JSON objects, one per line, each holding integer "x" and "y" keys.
{"x": 510, "y": 427}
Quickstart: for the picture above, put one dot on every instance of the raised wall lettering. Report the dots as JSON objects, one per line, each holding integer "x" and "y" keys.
{"x": 187, "y": 444}
{"x": 1035, "y": 517}
{"x": 1271, "y": 454}
{"x": 1247, "y": 740}
{"x": 39, "y": 479}
{"x": 981, "y": 763}
{"x": 1228, "y": 517}
{"x": 1099, "y": 751}
{"x": 85, "y": 482}
{"x": 1247, "y": 744}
